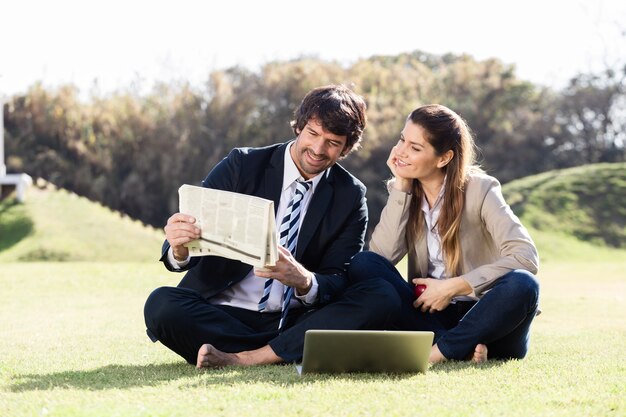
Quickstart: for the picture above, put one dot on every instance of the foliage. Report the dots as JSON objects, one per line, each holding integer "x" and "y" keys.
{"x": 591, "y": 119}
{"x": 132, "y": 152}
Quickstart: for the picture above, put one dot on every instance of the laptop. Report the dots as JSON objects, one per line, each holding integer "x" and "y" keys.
{"x": 342, "y": 351}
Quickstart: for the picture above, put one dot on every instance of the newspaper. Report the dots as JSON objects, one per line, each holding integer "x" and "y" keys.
{"x": 235, "y": 226}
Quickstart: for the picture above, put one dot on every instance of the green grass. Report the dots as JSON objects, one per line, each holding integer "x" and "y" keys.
{"x": 56, "y": 225}
{"x": 73, "y": 344}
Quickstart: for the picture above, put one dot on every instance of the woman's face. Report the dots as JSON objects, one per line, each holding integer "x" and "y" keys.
{"x": 416, "y": 157}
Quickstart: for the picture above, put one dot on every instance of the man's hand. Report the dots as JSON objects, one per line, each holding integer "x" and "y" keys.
{"x": 439, "y": 293}
{"x": 289, "y": 272}
{"x": 179, "y": 230}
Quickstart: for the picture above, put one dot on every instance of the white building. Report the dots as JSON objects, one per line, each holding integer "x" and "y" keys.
{"x": 11, "y": 182}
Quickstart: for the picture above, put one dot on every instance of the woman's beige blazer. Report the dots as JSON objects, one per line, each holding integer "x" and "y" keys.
{"x": 493, "y": 241}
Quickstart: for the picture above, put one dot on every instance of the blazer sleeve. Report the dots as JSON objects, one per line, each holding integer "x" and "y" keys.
{"x": 512, "y": 241}
{"x": 224, "y": 176}
{"x": 331, "y": 272}
{"x": 389, "y": 236}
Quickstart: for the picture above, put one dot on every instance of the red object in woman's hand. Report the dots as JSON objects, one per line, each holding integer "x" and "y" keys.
{"x": 419, "y": 289}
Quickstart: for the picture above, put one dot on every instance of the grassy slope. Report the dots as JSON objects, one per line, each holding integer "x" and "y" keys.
{"x": 55, "y": 225}
{"x": 577, "y": 213}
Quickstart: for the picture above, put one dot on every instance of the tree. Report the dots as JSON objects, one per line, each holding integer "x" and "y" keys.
{"x": 131, "y": 152}
{"x": 591, "y": 119}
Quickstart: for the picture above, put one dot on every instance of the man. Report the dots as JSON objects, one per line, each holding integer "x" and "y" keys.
{"x": 224, "y": 312}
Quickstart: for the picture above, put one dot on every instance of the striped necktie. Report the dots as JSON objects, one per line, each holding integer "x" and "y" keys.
{"x": 288, "y": 238}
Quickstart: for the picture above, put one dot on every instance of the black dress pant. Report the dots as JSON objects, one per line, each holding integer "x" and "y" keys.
{"x": 183, "y": 320}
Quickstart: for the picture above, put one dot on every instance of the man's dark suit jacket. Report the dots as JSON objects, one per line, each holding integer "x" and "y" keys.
{"x": 332, "y": 231}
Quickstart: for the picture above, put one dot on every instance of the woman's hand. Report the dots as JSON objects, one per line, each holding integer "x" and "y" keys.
{"x": 400, "y": 183}
{"x": 391, "y": 161}
{"x": 439, "y": 293}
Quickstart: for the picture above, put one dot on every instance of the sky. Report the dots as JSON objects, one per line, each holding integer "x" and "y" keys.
{"x": 105, "y": 46}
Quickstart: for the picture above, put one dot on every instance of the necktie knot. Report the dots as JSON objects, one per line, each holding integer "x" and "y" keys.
{"x": 301, "y": 189}
{"x": 303, "y": 185}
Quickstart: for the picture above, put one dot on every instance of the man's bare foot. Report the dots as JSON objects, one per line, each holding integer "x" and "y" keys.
{"x": 480, "y": 354}
{"x": 211, "y": 357}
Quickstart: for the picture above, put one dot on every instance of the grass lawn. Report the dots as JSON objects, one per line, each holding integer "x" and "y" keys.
{"x": 73, "y": 344}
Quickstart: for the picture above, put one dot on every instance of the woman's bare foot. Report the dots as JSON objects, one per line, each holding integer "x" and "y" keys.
{"x": 211, "y": 357}
{"x": 436, "y": 356}
{"x": 480, "y": 354}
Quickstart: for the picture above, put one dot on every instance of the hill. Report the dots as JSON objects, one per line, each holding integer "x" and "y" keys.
{"x": 56, "y": 225}
{"x": 577, "y": 213}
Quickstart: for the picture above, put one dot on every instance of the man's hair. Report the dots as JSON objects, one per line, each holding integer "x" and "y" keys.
{"x": 340, "y": 110}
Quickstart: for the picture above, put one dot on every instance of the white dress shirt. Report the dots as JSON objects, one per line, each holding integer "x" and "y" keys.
{"x": 436, "y": 263}
{"x": 247, "y": 292}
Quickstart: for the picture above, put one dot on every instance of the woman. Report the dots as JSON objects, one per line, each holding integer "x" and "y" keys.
{"x": 463, "y": 242}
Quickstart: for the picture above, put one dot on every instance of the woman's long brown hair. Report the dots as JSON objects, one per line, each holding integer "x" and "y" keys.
{"x": 445, "y": 130}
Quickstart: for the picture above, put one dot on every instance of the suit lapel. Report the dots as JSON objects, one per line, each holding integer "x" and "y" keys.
{"x": 314, "y": 214}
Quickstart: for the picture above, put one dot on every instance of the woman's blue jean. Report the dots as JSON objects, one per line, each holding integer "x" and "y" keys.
{"x": 501, "y": 319}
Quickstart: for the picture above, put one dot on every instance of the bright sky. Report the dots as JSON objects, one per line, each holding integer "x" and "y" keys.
{"x": 118, "y": 42}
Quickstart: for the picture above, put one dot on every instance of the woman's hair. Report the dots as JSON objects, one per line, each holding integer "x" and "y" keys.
{"x": 340, "y": 110}
{"x": 445, "y": 130}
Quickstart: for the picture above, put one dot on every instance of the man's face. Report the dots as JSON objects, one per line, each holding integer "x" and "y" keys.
{"x": 316, "y": 149}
